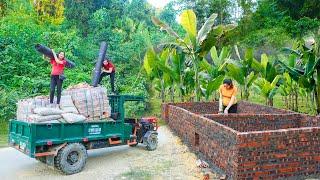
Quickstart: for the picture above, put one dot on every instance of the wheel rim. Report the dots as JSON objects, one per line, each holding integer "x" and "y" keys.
{"x": 73, "y": 157}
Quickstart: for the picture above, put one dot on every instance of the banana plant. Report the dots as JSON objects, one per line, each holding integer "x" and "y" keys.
{"x": 289, "y": 89}
{"x": 267, "y": 89}
{"x": 212, "y": 75}
{"x": 242, "y": 71}
{"x": 267, "y": 84}
{"x": 155, "y": 66}
{"x": 196, "y": 44}
{"x": 304, "y": 66}
{"x": 177, "y": 66}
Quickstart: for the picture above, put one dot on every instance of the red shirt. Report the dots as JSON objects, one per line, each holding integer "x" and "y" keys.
{"x": 108, "y": 66}
{"x": 57, "y": 69}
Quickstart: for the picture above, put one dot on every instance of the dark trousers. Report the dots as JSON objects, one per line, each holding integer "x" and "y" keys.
{"x": 55, "y": 81}
{"x": 232, "y": 109}
{"x": 112, "y": 74}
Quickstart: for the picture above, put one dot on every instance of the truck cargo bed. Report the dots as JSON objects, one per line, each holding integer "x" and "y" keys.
{"x": 27, "y": 136}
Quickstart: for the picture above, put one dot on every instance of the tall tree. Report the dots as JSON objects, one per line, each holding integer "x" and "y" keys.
{"x": 204, "y": 8}
{"x": 49, "y": 11}
{"x": 300, "y": 8}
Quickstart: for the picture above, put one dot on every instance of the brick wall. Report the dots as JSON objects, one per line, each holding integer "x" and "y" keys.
{"x": 216, "y": 141}
{"x": 258, "y": 122}
{"x": 213, "y": 108}
{"x": 251, "y": 144}
{"x": 279, "y": 154}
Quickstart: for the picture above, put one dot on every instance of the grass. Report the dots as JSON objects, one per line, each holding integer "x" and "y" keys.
{"x": 137, "y": 174}
{"x": 149, "y": 172}
{"x": 3, "y": 140}
{"x": 279, "y": 103}
{"x": 3, "y": 133}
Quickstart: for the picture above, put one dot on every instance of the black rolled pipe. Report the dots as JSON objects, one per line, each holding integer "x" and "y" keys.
{"x": 48, "y": 53}
{"x": 97, "y": 69}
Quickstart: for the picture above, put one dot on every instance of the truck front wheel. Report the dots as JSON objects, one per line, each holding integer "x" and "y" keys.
{"x": 71, "y": 159}
{"x": 152, "y": 142}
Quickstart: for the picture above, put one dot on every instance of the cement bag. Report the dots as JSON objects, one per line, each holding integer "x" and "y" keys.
{"x": 91, "y": 102}
{"x": 25, "y": 106}
{"x": 70, "y": 110}
{"x": 73, "y": 118}
{"x": 44, "y": 111}
{"x": 38, "y": 118}
{"x": 66, "y": 101}
{"x": 67, "y": 106}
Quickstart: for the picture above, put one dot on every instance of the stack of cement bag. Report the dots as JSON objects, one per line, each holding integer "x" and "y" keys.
{"x": 91, "y": 102}
{"x": 78, "y": 103}
{"x": 70, "y": 113}
{"x": 25, "y": 107}
{"x": 38, "y": 110}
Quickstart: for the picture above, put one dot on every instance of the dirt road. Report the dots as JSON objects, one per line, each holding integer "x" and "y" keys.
{"x": 171, "y": 160}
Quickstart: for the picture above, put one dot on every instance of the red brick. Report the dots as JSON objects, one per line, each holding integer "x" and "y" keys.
{"x": 316, "y": 158}
{"x": 249, "y": 164}
{"x": 286, "y": 170}
{"x": 259, "y": 173}
{"x": 280, "y": 155}
{"x": 304, "y": 154}
{"x": 293, "y": 164}
{"x": 253, "y": 144}
{"x": 269, "y": 166}
{"x": 281, "y": 146}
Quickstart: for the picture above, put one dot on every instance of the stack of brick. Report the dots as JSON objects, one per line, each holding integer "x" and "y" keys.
{"x": 259, "y": 142}
{"x": 91, "y": 102}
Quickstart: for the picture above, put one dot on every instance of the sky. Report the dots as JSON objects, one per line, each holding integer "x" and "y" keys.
{"x": 159, "y": 3}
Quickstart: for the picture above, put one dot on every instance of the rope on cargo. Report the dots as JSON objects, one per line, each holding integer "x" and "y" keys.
{"x": 101, "y": 110}
{"x": 85, "y": 95}
{"x": 92, "y": 105}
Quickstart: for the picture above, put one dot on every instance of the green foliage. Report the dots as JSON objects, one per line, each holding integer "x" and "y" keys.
{"x": 124, "y": 25}
{"x": 196, "y": 44}
{"x": 243, "y": 71}
{"x": 204, "y": 8}
{"x": 267, "y": 39}
{"x": 48, "y": 11}
{"x": 303, "y": 66}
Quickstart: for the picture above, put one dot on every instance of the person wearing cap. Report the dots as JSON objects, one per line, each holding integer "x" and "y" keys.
{"x": 227, "y": 100}
{"x": 108, "y": 69}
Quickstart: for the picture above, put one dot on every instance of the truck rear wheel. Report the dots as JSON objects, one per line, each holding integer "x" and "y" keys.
{"x": 71, "y": 159}
{"x": 152, "y": 142}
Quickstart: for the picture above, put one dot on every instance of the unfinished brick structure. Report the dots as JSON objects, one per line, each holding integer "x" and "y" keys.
{"x": 259, "y": 142}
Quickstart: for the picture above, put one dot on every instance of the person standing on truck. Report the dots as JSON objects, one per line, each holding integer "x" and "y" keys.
{"x": 57, "y": 75}
{"x": 108, "y": 69}
{"x": 227, "y": 100}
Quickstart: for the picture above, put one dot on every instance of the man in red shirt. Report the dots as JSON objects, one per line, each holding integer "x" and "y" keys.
{"x": 108, "y": 69}
{"x": 57, "y": 77}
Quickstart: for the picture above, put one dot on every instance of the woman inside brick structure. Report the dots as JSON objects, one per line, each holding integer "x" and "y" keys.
{"x": 228, "y": 101}
{"x": 57, "y": 76}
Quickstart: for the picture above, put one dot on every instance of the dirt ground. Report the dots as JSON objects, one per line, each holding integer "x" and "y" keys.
{"x": 171, "y": 160}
